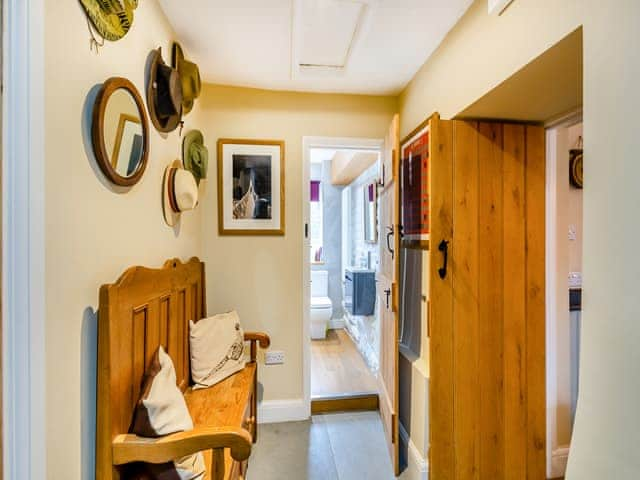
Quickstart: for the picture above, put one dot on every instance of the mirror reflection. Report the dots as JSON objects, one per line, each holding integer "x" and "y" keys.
{"x": 370, "y": 214}
{"x": 123, "y": 134}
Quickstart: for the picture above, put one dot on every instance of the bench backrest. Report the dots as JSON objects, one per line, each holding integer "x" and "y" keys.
{"x": 144, "y": 309}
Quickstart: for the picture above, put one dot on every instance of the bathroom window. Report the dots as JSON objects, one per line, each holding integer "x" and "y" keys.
{"x": 315, "y": 225}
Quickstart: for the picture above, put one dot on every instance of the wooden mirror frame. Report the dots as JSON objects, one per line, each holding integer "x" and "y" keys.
{"x": 97, "y": 131}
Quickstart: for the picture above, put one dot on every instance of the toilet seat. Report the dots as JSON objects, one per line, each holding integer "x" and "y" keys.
{"x": 318, "y": 303}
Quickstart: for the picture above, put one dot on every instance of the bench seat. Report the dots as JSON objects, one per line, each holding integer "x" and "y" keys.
{"x": 227, "y": 404}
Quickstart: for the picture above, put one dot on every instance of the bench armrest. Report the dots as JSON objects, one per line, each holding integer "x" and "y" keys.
{"x": 128, "y": 448}
{"x": 257, "y": 337}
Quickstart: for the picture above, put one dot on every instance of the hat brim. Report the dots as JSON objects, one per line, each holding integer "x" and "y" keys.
{"x": 194, "y": 136}
{"x": 170, "y": 216}
{"x": 101, "y": 21}
{"x": 170, "y": 123}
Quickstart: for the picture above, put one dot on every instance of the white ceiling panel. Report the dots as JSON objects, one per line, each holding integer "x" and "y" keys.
{"x": 362, "y": 46}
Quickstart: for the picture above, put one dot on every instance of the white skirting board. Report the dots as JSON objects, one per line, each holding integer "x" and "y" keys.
{"x": 278, "y": 411}
{"x": 417, "y": 466}
{"x": 336, "y": 323}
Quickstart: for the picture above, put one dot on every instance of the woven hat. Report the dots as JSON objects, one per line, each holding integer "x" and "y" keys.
{"x": 195, "y": 155}
{"x": 189, "y": 76}
{"x": 164, "y": 94}
{"x": 179, "y": 192}
{"x": 111, "y": 18}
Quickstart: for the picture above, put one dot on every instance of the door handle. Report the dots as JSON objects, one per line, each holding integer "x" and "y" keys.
{"x": 444, "y": 248}
{"x": 389, "y": 234}
{"x": 387, "y": 293}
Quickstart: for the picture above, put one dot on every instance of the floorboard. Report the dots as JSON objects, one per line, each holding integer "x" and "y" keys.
{"x": 337, "y": 367}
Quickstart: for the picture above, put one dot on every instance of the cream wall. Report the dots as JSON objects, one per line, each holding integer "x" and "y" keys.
{"x": 261, "y": 277}
{"x": 479, "y": 53}
{"x": 92, "y": 231}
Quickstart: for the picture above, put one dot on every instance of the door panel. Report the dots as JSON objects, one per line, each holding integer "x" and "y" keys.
{"x": 386, "y": 288}
{"x": 487, "y": 398}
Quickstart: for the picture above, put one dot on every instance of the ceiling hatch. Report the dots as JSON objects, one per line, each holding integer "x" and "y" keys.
{"x": 328, "y": 31}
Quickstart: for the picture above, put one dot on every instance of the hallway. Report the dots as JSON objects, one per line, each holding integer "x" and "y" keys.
{"x": 343, "y": 446}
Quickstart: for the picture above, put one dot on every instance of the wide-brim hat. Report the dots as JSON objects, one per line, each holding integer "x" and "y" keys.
{"x": 164, "y": 94}
{"x": 179, "y": 192}
{"x": 111, "y": 19}
{"x": 195, "y": 155}
{"x": 189, "y": 76}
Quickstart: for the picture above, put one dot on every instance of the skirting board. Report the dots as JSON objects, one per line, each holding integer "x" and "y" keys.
{"x": 278, "y": 411}
{"x": 559, "y": 459}
{"x": 417, "y": 467}
{"x": 336, "y": 323}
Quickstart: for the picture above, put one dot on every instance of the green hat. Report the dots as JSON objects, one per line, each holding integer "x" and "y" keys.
{"x": 189, "y": 76}
{"x": 195, "y": 155}
{"x": 111, "y": 18}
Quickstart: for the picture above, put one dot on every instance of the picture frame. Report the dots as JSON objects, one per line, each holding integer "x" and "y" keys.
{"x": 251, "y": 187}
{"x": 414, "y": 178}
{"x": 128, "y": 135}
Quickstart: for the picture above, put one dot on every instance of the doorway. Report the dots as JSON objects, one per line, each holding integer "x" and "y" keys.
{"x": 340, "y": 253}
{"x": 564, "y": 285}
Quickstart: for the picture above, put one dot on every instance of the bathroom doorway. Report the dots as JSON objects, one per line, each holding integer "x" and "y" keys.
{"x": 341, "y": 339}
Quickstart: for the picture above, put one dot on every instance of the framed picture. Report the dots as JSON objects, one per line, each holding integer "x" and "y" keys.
{"x": 127, "y": 149}
{"x": 250, "y": 187}
{"x": 414, "y": 178}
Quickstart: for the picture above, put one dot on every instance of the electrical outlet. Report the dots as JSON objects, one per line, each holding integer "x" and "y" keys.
{"x": 274, "y": 357}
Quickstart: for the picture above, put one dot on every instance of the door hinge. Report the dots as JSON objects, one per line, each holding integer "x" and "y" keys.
{"x": 306, "y": 230}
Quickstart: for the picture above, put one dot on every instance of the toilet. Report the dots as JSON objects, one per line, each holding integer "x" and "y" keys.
{"x": 321, "y": 307}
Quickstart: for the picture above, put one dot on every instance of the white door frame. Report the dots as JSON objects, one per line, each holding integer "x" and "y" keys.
{"x": 309, "y": 143}
{"x": 23, "y": 233}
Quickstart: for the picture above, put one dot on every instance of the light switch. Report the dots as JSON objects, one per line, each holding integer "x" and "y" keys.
{"x": 575, "y": 280}
{"x": 572, "y": 233}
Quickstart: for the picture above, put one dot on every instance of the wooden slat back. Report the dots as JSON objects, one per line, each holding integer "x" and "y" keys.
{"x": 144, "y": 309}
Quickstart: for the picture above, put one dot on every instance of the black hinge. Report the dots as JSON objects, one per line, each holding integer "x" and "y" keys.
{"x": 306, "y": 230}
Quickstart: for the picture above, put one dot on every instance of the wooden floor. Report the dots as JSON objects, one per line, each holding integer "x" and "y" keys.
{"x": 337, "y": 368}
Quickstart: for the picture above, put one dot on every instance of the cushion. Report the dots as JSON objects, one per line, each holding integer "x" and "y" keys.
{"x": 161, "y": 410}
{"x": 217, "y": 348}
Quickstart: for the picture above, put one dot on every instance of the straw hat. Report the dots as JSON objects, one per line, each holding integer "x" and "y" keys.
{"x": 164, "y": 94}
{"x": 189, "y": 76}
{"x": 111, "y": 18}
{"x": 179, "y": 192}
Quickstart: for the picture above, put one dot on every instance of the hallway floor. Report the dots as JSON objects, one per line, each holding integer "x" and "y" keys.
{"x": 342, "y": 446}
{"x": 337, "y": 367}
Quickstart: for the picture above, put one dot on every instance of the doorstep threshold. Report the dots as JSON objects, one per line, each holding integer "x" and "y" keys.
{"x": 346, "y": 402}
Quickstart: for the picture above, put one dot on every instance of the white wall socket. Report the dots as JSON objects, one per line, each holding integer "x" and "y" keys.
{"x": 274, "y": 357}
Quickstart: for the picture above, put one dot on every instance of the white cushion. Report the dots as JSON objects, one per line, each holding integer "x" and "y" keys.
{"x": 217, "y": 348}
{"x": 161, "y": 410}
{"x": 321, "y": 302}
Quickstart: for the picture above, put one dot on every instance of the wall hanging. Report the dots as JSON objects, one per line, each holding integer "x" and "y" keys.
{"x": 189, "y": 78}
{"x": 164, "y": 94}
{"x": 251, "y": 187}
{"x": 179, "y": 192}
{"x": 414, "y": 177}
{"x": 575, "y": 165}
{"x": 119, "y": 132}
{"x": 112, "y": 19}
{"x": 195, "y": 155}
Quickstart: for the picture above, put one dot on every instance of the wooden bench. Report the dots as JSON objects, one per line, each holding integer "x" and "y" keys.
{"x": 144, "y": 309}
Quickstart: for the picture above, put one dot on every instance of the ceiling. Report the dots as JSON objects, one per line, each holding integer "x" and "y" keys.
{"x": 346, "y": 46}
{"x": 552, "y": 82}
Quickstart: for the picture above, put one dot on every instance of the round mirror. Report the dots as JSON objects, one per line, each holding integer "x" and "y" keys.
{"x": 120, "y": 132}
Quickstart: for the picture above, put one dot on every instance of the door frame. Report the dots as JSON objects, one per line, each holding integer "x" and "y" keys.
{"x": 309, "y": 143}
{"x": 558, "y": 457}
{"x": 23, "y": 240}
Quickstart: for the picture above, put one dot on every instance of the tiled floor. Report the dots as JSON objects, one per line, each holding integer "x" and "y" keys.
{"x": 342, "y": 446}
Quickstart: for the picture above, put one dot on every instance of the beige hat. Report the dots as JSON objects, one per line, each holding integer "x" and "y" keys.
{"x": 179, "y": 192}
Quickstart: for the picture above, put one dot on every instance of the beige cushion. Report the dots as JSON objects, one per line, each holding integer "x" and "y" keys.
{"x": 161, "y": 410}
{"x": 217, "y": 348}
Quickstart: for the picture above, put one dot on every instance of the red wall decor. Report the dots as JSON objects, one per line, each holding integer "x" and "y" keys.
{"x": 414, "y": 175}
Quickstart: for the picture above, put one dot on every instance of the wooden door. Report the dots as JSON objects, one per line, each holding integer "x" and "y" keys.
{"x": 387, "y": 291}
{"x": 487, "y": 349}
